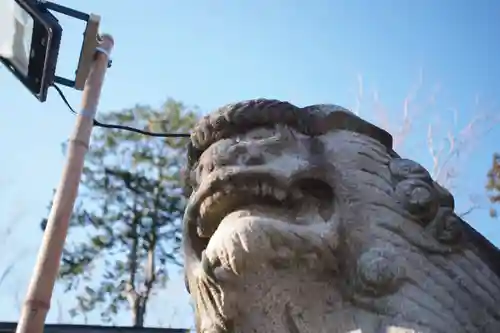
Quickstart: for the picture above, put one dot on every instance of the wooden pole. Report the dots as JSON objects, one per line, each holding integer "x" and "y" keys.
{"x": 37, "y": 302}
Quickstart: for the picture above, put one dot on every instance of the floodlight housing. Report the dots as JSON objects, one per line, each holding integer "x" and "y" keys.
{"x": 29, "y": 43}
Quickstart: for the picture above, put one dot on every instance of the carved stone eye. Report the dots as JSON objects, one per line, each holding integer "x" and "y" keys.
{"x": 418, "y": 198}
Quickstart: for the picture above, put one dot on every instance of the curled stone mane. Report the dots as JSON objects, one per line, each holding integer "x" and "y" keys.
{"x": 307, "y": 220}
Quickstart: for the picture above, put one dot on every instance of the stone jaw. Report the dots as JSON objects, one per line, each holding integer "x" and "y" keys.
{"x": 392, "y": 257}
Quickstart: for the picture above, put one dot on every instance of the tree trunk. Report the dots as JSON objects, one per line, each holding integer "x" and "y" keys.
{"x": 138, "y": 312}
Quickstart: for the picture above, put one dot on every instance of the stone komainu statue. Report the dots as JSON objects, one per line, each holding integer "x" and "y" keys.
{"x": 306, "y": 220}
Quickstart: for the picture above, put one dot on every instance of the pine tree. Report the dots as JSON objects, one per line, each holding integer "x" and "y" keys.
{"x": 125, "y": 228}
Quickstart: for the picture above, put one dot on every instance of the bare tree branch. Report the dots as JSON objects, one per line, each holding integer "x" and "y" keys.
{"x": 468, "y": 211}
{"x": 359, "y": 95}
{"x": 447, "y": 145}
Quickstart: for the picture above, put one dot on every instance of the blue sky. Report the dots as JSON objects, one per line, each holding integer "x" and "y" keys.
{"x": 210, "y": 53}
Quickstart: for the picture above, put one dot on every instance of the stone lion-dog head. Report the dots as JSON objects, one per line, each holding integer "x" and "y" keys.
{"x": 306, "y": 220}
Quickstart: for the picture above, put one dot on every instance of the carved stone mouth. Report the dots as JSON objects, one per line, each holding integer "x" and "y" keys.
{"x": 255, "y": 191}
{"x": 278, "y": 195}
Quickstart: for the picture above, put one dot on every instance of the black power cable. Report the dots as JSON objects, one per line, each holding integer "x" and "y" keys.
{"x": 122, "y": 127}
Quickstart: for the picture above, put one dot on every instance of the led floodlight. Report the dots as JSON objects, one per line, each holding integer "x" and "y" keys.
{"x": 29, "y": 44}
{"x": 16, "y": 35}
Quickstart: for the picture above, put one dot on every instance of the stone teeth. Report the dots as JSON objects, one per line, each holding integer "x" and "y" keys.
{"x": 279, "y": 194}
{"x": 255, "y": 190}
{"x": 266, "y": 190}
{"x": 258, "y": 190}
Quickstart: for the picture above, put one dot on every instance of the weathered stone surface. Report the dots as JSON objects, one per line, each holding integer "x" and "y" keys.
{"x": 306, "y": 220}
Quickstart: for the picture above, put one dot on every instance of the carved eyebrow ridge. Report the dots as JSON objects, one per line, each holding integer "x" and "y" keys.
{"x": 243, "y": 116}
